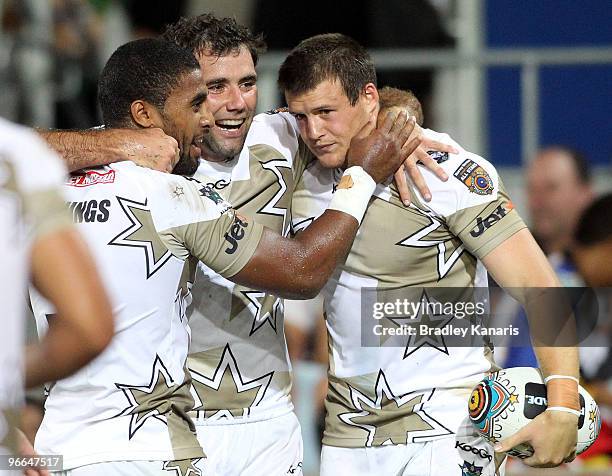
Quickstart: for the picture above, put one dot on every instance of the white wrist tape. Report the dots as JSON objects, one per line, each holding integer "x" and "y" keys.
{"x": 560, "y": 377}
{"x": 353, "y": 193}
{"x": 564, "y": 409}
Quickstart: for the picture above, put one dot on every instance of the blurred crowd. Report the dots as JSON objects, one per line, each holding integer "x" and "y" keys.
{"x": 51, "y": 52}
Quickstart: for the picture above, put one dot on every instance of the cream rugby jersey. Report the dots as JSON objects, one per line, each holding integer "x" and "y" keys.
{"x": 30, "y": 207}
{"x": 145, "y": 229}
{"x": 417, "y": 391}
{"x": 238, "y": 357}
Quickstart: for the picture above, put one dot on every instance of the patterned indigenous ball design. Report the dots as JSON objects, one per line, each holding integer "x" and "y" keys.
{"x": 505, "y": 401}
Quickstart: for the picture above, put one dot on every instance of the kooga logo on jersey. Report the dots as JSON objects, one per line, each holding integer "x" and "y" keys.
{"x": 483, "y": 225}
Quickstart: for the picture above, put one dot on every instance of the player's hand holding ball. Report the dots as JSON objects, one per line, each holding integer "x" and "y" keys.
{"x": 542, "y": 423}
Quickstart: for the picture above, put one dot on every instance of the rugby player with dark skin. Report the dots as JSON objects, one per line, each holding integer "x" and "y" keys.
{"x": 290, "y": 267}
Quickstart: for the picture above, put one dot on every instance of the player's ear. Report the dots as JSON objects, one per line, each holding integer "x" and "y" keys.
{"x": 145, "y": 114}
{"x": 370, "y": 96}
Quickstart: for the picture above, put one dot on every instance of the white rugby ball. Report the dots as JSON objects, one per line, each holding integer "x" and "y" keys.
{"x": 506, "y": 401}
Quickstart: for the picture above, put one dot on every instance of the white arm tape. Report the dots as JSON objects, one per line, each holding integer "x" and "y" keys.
{"x": 560, "y": 377}
{"x": 564, "y": 409}
{"x": 354, "y": 200}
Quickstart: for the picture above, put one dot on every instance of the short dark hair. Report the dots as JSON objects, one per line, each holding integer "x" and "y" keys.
{"x": 331, "y": 56}
{"x": 390, "y": 97}
{"x": 595, "y": 224}
{"x": 218, "y": 36}
{"x": 147, "y": 69}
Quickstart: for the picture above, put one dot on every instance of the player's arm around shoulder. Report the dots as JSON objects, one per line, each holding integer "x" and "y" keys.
{"x": 94, "y": 147}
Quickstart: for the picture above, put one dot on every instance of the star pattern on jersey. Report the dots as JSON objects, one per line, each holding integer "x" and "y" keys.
{"x": 178, "y": 191}
{"x": 271, "y": 207}
{"x": 267, "y": 309}
{"x": 264, "y": 307}
{"x": 301, "y": 225}
{"x": 227, "y": 385}
{"x": 141, "y": 233}
{"x": 148, "y": 401}
{"x": 432, "y": 321}
{"x": 387, "y": 415}
{"x": 418, "y": 240}
{"x": 183, "y": 467}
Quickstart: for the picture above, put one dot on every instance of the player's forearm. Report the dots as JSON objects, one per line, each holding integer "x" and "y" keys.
{"x": 63, "y": 351}
{"x": 299, "y": 268}
{"x": 558, "y": 360}
{"x": 87, "y": 148}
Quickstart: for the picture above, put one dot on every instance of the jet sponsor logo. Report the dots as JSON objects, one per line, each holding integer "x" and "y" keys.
{"x": 483, "y": 224}
{"x": 236, "y": 233}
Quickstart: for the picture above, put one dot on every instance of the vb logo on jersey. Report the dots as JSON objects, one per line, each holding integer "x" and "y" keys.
{"x": 236, "y": 233}
{"x": 474, "y": 177}
{"x": 470, "y": 469}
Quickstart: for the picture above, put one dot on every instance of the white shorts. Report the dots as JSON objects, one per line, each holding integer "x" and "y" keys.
{"x": 268, "y": 447}
{"x": 452, "y": 456}
{"x": 136, "y": 468}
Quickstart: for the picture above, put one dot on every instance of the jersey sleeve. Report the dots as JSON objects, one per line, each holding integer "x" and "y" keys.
{"x": 36, "y": 173}
{"x": 200, "y": 223}
{"x": 484, "y": 227}
{"x": 474, "y": 203}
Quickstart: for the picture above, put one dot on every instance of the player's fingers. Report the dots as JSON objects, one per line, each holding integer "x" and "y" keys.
{"x": 402, "y": 186}
{"x": 407, "y": 130}
{"x": 417, "y": 178}
{"x": 408, "y": 149}
{"x": 388, "y": 122}
{"x": 438, "y": 146}
{"x": 398, "y": 125}
{"x": 516, "y": 439}
{"x": 431, "y": 164}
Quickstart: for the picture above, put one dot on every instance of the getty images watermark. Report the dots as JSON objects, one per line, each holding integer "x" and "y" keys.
{"x": 414, "y": 317}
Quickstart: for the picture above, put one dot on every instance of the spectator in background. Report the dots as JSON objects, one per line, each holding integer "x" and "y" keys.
{"x": 54, "y": 60}
{"x": 558, "y": 190}
{"x": 592, "y": 253}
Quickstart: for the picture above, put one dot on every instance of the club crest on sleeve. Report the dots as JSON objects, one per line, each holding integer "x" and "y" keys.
{"x": 474, "y": 177}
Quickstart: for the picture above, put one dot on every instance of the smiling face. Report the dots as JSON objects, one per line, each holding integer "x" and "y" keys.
{"x": 328, "y": 122}
{"x": 186, "y": 118}
{"x": 232, "y": 86}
